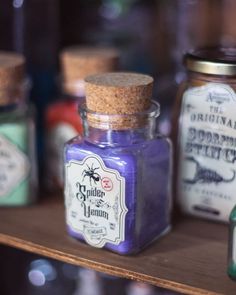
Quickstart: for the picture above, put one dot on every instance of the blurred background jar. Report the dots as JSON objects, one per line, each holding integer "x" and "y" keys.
{"x": 18, "y": 179}
{"x": 62, "y": 117}
{"x": 204, "y": 130}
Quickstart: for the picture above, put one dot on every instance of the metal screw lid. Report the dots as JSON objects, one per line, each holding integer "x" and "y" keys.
{"x": 213, "y": 60}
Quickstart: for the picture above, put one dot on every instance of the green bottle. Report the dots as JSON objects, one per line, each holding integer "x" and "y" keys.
{"x": 232, "y": 245}
{"x": 18, "y": 181}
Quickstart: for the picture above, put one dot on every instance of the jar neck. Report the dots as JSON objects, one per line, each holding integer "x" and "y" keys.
{"x": 120, "y": 129}
{"x": 111, "y": 137}
{"x": 198, "y": 79}
{"x": 11, "y": 107}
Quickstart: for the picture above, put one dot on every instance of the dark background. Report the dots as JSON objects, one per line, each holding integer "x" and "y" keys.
{"x": 152, "y": 36}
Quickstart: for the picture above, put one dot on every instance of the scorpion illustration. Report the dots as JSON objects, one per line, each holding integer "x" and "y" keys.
{"x": 90, "y": 172}
{"x": 205, "y": 175}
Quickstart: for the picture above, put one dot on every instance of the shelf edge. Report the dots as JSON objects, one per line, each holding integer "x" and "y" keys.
{"x": 101, "y": 267}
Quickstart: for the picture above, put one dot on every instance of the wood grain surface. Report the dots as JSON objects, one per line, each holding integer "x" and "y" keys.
{"x": 192, "y": 259}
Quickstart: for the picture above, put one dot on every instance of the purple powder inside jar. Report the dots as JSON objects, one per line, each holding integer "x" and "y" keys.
{"x": 145, "y": 165}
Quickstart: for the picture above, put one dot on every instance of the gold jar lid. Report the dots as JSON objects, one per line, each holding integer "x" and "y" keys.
{"x": 12, "y": 77}
{"x": 118, "y": 98}
{"x": 213, "y": 61}
{"x": 80, "y": 61}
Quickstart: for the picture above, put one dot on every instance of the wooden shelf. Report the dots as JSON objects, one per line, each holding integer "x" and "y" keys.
{"x": 191, "y": 259}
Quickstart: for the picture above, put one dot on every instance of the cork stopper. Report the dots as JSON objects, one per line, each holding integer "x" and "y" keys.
{"x": 79, "y": 61}
{"x": 12, "y": 70}
{"x": 122, "y": 95}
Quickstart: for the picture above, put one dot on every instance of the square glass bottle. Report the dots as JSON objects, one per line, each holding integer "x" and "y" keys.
{"x": 117, "y": 177}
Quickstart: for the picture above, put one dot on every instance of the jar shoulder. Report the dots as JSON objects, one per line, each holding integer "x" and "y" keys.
{"x": 78, "y": 148}
{"x": 18, "y": 115}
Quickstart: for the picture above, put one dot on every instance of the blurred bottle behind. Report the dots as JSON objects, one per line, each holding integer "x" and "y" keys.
{"x": 139, "y": 288}
{"x": 18, "y": 173}
{"x": 62, "y": 117}
{"x": 32, "y": 28}
{"x": 89, "y": 283}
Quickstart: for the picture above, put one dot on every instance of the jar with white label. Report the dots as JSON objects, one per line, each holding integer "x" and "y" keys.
{"x": 205, "y": 134}
{"x": 62, "y": 118}
{"x": 117, "y": 177}
{"x": 232, "y": 245}
{"x": 18, "y": 181}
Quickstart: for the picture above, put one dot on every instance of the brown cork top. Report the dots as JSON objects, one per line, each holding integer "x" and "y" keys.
{"x": 78, "y": 62}
{"x": 12, "y": 75}
{"x": 121, "y": 94}
{"x": 11, "y": 69}
{"x": 118, "y": 93}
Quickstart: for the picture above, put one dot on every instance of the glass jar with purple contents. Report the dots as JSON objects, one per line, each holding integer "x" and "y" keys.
{"x": 117, "y": 177}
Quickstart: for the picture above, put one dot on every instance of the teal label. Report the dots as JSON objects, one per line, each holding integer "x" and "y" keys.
{"x": 14, "y": 166}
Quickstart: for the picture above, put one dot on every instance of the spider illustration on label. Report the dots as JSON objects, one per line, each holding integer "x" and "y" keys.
{"x": 90, "y": 172}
